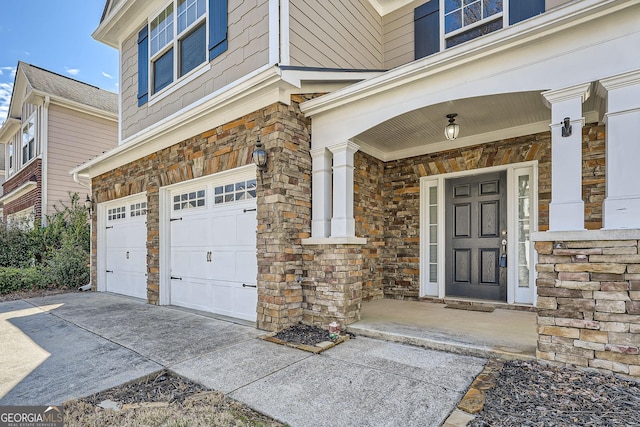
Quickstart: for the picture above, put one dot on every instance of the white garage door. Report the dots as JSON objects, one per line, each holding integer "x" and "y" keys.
{"x": 213, "y": 247}
{"x": 126, "y": 247}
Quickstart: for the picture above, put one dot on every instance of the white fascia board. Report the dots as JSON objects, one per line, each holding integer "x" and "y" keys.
{"x": 555, "y": 21}
{"x": 122, "y": 21}
{"x": 257, "y": 90}
{"x": 386, "y": 7}
{"x": 297, "y": 77}
{"x": 77, "y": 106}
{"x": 9, "y": 127}
{"x": 18, "y": 192}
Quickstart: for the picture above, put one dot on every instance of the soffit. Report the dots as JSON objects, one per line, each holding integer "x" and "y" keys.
{"x": 481, "y": 119}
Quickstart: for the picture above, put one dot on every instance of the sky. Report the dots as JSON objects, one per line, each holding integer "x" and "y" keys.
{"x": 54, "y": 35}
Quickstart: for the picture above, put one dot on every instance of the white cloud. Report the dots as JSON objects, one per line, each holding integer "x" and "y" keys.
{"x": 5, "y": 99}
{"x": 109, "y": 76}
{"x": 72, "y": 71}
{"x": 5, "y": 69}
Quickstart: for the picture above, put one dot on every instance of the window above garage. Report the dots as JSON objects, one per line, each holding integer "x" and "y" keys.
{"x": 242, "y": 190}
{"x": 443, "y": 24}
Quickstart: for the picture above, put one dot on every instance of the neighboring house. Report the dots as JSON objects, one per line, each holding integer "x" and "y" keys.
{"x": 362, "y": 195}
{"x": 54, "y": 124}
{"x": 2, "y": 178}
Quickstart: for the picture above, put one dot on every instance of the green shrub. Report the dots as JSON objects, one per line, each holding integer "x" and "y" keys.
{"x": 16, "y": 246}
{"x": 15, "y": 279}
{"x": 60, "y": 249}
{"x": 68, "y": 266}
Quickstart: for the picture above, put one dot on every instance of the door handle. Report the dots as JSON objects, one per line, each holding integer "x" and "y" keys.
{"x": 209, "y": 256}
{"x": 127, "y": 254}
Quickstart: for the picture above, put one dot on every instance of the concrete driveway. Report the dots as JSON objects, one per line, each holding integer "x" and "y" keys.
{"x": 72, "y": 345}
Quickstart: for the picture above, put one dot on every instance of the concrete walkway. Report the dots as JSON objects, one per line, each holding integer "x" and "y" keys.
{"x": 505, "y": 334}
{"x": 71, "y": 345}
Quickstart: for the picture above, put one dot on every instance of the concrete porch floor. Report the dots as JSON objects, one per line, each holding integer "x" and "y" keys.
{"x": 506, "y": 334}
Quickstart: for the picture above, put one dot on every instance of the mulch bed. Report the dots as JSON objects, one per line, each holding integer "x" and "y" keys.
{"x": 532, "y": 394}
{"x": 164, "y": 398}
{"x": 33, "y": 293}
{"x": 161, "y": 386}
{"x": 307, "y": 338}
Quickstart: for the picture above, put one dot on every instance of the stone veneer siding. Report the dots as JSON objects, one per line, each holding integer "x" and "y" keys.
{"x": 283, "y": 198}
{"x": 401, "y": 195}
{"x": 32, "y": 198}
{"x": 589, "y": 304}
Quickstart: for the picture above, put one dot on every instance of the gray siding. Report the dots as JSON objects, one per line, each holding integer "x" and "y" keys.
{"x": 398, "y": 35}
{"x": 248, "y": 37}
{"x": 74, "y": 138}
{"x": 335, "y": 34}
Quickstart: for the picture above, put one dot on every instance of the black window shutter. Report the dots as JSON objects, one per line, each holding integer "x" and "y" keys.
{"x": 426, "y": 29}
{"x": 519, "y": 10}
{"x": 143, "y": 66}
{"x": 217, "y": 27}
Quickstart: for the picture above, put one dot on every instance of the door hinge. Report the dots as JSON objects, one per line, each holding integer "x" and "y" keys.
{"x": 176, "y": 278}
{"x": 175, "y": 219}
{"x": 111, "y": 226}
{"x": 249, "y": 210}
{"x": 244, "y": 285}
{"x": 109, "y": 271}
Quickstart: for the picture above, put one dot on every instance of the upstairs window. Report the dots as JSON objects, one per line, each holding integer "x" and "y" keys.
{"x": 467, "y": 19}
{"x": 441, "y": 24}
{"x": 187, "y": 38}
{"x": 28, "y": 140}
{"x": 11, "y": 157}
{"x": 175, "y": 42}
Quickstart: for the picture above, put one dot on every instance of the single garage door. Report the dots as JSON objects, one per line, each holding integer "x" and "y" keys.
{"x": 126, "y": 247}
{"x": 213, "y": 247}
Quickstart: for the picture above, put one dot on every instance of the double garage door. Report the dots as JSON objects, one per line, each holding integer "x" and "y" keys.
{"x": 212, "y": 234}
{"x": 213, "y": 247}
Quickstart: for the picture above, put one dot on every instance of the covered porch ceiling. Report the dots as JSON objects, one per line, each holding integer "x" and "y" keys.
{"x": 482, "y": 119}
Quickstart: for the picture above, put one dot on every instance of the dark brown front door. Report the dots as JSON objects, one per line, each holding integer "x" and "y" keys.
{"x": 475, "y": 225}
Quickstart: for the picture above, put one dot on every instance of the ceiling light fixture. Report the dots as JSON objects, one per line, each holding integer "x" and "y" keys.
{"x": 452, "y": 130}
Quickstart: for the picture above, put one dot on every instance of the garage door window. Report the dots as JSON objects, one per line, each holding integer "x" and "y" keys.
{"x": 241, "y": 190}
{"x": 190, "y": 200}
{"x": 138, "y": 209}
{"x": 116, "y": 213}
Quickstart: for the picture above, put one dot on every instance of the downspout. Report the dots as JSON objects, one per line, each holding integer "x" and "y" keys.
{"x": 44, "y": 143}
{"x": 87, "y": 287}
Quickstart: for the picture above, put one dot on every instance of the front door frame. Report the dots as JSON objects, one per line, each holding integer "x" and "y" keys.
{"x": 515, "y": 294}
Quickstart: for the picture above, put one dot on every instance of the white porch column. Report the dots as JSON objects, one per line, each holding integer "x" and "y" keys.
{"x": 566, "y": 210}
{"x": 622, "y": 204}
{"x": 321, "y": 193}
{"x": 343, "y": 223}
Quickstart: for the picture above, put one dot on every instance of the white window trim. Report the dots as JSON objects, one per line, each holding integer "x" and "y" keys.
{"x": 444, "y": 36}
{"x": 514, "y": 293}
{"x": 31, "y": 118}
{"x": 178, "y": 81}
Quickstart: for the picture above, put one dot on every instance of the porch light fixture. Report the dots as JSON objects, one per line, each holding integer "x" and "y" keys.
{"x": 566, "y": 127}
{"x": 260, "y": 156}
{"x": 452, "y": 130}
{"x": 88, "y": 203}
